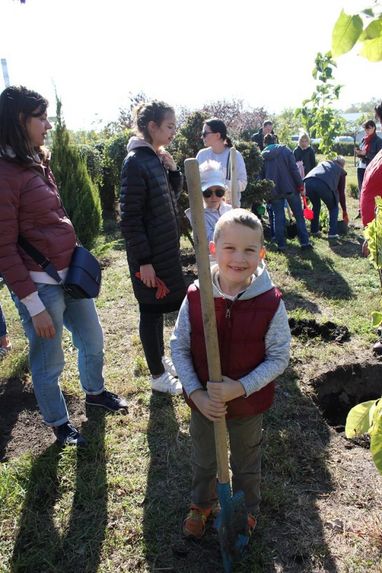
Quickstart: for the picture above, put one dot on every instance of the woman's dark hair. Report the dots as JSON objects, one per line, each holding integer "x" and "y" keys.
{"x": 17, "y": 104}
{"x": 218, "y": 126}
{"x": 150, "y": 111}
{"x": 378, "y": 111}
{"x": 369, "y": 123}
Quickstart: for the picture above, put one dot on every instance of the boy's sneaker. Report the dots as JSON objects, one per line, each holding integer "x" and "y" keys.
{"x": 107, "y": 400}
{"x": 252, "y": 522}
{"x": 169, "y": 366}
{"x": 195, "y": 523}
{"x": 68, "y": 435}
{"x": 166, "y": 383}
{"x": 307, "y": 247}
{"x": 333, "y": 236}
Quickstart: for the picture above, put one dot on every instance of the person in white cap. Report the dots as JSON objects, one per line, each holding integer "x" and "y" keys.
{"x": 214, "y": 189}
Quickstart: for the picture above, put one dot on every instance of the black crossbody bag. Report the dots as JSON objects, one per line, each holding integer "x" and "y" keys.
{"x": 84, "y": 275}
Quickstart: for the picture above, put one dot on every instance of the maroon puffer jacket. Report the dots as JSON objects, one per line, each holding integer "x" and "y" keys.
{"x": 30, "y": 206}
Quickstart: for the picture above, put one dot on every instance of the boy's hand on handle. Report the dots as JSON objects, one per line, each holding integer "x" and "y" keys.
{"x": 345, "y": 217}
{"x": 43, "y": 325}
{"x": 213, "y": 410}
{"x": 225, "y": 391}
{"x": 147, "y": 275}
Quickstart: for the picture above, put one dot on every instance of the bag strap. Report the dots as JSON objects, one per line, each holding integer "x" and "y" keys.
{"x": 39, "y": 258}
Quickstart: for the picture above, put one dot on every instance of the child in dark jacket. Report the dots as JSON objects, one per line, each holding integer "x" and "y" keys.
{"x": 254, "y": 341}
{"x": 150, "y": 185}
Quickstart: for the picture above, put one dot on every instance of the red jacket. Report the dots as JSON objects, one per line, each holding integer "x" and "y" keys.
{"x": 30, "y": 206}
{"x": 242, "y": 326}
{"x": 371, "y": 188}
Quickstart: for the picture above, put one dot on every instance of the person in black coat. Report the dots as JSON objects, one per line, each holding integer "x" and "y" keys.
{"x": 305, "y": 153}
{"x": 150, "y": 185}
{"x": 368, "y": 149}
{"x": 258, "y": 137}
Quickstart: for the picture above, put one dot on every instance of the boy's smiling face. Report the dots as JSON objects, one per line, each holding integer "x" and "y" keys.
{"x": 238, "y": 251}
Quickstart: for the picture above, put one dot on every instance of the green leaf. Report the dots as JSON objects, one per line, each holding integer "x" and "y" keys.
{"x": 357, "y": 421}
{"x": 376, "y": 437}
{"x": 372, "y": 49}
{"x": 373, "y": 31}
{"x": 376, "y": 318}
{"x": 368, "y": 12}
{"x": 345, "y": 33}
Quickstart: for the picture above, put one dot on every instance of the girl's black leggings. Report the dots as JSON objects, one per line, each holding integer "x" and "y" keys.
{"x": 151, "y": 334}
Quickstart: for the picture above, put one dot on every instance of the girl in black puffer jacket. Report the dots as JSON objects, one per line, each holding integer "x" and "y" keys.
{"x": 150, "y": 185}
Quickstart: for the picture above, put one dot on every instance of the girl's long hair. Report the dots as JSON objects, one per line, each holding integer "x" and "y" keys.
{"x": 17, "y": 104}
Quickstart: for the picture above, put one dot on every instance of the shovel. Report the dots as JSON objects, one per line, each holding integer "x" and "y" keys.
{"x": 235, "y": 197}
{"x": 231, "y": 523}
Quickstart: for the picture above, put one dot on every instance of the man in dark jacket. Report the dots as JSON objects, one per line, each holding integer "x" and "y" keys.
{"x": 280, "y": 167}
{"x": 258, "y": 137}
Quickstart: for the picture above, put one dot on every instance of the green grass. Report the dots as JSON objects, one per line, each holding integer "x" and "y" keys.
{"x": 118, "y": 504}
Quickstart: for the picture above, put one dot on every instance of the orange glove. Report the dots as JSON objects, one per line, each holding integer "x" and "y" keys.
{"x": 345, "y": 217}
{"x": 162, "y": 290}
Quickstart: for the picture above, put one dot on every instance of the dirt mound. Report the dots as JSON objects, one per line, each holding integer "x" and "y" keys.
{"x": 329, "y": 331}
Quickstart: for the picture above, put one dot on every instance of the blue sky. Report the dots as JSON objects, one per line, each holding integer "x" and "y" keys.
{"x": 96, "y": 53}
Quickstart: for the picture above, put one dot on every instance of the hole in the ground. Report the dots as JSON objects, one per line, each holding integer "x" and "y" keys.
{"x": 338, "y": 390}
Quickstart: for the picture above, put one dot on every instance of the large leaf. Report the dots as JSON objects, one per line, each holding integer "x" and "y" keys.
{"x": 376, "y": 318}
{"x": 357, "y": 421}
{"x": 345, "y": 33}
{"x": 376, "y": 437}
{"x": 372, "y": 49}
{"x": 372, "y": 31}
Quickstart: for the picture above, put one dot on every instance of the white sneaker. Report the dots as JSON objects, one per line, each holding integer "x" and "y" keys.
{"x": 166, "y": 383}
{"x": 333, "y": 236}
{"x": 169, "y": 366}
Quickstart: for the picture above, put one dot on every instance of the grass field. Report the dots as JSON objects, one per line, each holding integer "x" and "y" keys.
{"x": 117, "y": 506}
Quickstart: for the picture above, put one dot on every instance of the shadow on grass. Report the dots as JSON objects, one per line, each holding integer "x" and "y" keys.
{"x": 347, "y": 247}
{"x": 290, "y": 536}
{"x": 318, "y": 274}
{"x": 40, "y": 546}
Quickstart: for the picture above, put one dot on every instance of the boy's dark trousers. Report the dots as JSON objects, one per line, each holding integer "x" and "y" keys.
{"x": 245, "y": 444}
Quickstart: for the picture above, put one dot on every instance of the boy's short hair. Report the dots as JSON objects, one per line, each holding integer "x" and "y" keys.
{"x": 241, "y": 217}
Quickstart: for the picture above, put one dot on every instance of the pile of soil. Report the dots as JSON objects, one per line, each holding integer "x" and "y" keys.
{"x": 328, "y": 331}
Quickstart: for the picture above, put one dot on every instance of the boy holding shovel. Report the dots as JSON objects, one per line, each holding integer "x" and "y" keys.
{"x": 254, "y": 344}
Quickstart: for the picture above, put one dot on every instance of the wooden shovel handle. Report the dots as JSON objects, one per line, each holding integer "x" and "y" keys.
{"x": 208, "y": 307}
{"x": 235, "y": 201}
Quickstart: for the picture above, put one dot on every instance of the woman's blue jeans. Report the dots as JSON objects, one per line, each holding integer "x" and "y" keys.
{"x": 46, "y": 355}
{"x": 3, "y": 324}
{"x": 318, "y": 191}
{"x": 278, "y": 205}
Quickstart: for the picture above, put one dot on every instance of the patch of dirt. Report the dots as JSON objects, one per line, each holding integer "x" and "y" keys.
{"x": 21, "y": 425}
{"x": 328, "y": 331}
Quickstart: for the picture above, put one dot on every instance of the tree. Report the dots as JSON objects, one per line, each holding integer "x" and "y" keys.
{"x": 364, "y": 28}
{"x": 318, "y": 116}
{"x": 78, "y": 192}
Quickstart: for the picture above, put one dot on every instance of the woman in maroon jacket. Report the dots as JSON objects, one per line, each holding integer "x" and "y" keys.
{"x": 30, "y": 206}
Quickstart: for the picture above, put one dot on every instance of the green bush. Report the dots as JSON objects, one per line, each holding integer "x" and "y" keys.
{"x": 78, "y": 193}
{"x": 114, "y": 154}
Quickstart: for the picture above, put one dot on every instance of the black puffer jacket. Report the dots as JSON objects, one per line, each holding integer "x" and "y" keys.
{"x": 149, "y": 224}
